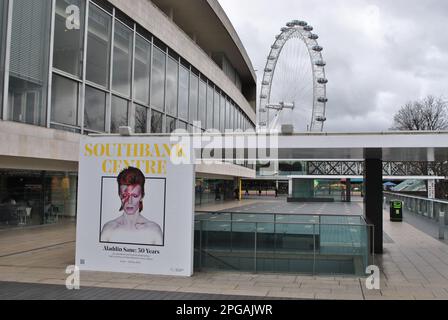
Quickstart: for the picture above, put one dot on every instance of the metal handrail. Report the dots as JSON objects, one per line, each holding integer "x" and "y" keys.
{"x": 416, "y": 197}
{"x": 281, "y": 214}
{"x": 292, "y": 223}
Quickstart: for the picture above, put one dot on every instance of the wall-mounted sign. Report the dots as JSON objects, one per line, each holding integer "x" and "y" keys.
{"x": 135, "y": 206}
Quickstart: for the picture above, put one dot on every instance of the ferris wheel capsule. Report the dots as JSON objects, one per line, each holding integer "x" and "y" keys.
{"x": 322, "y": 81}
{"x": 299, "y": 23}
{"x": 291, "y": 24}
{"x": 322, "y": 100}
{"x": 308, "y": 28}
{"x": 317, "y": 48}
{"x": 321, "y": 119}
{"x": 320, "y": 63}
{"x": 313, "y": 36}
{"x": 284, "y": 29}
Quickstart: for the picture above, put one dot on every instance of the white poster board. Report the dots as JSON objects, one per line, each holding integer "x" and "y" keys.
{"x": 135, "y": 206}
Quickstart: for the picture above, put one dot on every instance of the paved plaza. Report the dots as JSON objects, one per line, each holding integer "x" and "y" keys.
{"x": 414, "y": 266}
{"x": 17, "y": 291}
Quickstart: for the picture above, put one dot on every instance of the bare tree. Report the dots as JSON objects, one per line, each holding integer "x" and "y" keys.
{"x": 430, "y": 113}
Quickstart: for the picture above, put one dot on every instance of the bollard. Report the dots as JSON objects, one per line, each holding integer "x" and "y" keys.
{"x": 441, "y": 225}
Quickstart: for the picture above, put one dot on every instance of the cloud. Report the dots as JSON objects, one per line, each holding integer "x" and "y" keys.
{"x": 380, "y": 54}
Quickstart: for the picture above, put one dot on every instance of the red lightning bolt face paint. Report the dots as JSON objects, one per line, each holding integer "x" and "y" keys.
{"x": 131, "y": 197}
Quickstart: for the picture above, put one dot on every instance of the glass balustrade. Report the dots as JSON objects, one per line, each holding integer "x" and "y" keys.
{"x": 281, "y": 243}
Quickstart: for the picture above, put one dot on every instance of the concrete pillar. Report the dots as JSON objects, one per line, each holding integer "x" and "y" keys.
{"x": 373, "y": 198}
{"x": 348, "y": 190}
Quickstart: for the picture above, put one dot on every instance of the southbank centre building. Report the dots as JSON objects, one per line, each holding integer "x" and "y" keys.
{"x": 78, "y": 77}
{"x": 69, "y": 68}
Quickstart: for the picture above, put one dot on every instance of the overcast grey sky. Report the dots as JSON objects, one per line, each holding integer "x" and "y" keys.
{"x": 380, "y": 53}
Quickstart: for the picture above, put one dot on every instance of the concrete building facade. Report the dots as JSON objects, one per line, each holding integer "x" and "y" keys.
{"x": 75, "y": 67}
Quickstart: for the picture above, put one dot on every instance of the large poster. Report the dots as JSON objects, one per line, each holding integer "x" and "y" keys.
{"x": 135, "y": 206}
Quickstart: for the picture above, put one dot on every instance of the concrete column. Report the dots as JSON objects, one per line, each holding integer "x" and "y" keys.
{"x": 373, "y": 198}
{"x": 348, "y": 190}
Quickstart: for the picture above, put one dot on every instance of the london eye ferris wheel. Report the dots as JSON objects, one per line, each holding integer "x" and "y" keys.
{"x": 293, "y": 88}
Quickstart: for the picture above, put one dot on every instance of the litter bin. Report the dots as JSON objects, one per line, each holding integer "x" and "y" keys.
{"x": 396, "y": 211}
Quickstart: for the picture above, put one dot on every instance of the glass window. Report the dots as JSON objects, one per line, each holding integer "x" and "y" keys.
{"x": 216, "y": 111}
{"x": 95, "y": 110}
{"x": 239, "y": 119}
{"x": 202, "y": 103}
{"x": 3, "y": 20}
{"x": 98, "y": 46}
{"x": 69, "y": 42}
{"x": 222, "y": 118}
{"x": 123, "y": 46}
{"x": 184, "y": 76}
{"x": 172, "y": 72}
{"x": 227, "y": 114}
{"x": 209, "y": 107}
{"x": 156, "y": 122}
{"x": 36, "y": 197}
{"x": 28, "y": 78}
{"x": 232, "y": 117}
{"x": 119, "y": 114}
{"x": 64, "y": 101}
{"x": 158, "y": 79}
{"x": 170, "y": 124}
{"x": 141, "y": 119}
{"x": 183, "y": 125}
{"x": 142, "y": 69}
{"x": 194, "y": 85}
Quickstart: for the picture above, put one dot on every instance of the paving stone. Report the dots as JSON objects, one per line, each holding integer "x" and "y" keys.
{"x": 293, "y": 295}
{"x": 414, "y": 266}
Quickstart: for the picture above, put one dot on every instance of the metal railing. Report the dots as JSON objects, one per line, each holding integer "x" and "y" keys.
{"x": 429, "y": 208}
{"x": 285, "y": 243}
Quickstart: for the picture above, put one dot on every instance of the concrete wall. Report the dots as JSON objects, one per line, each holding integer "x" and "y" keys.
{"x": 214, "y": 4}
{"x": 223, "y": 171}
{"x": 30, "y": 147}
{"x": 25, "y": 146}
{"x": 155, "y": 21}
